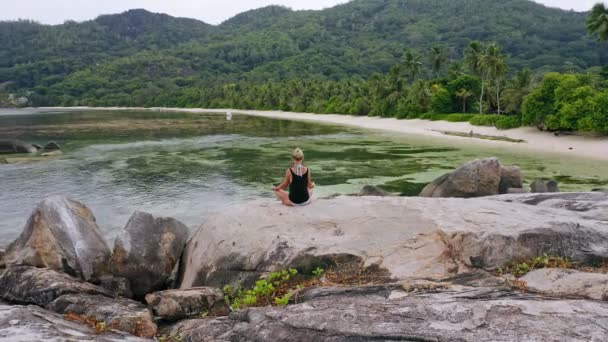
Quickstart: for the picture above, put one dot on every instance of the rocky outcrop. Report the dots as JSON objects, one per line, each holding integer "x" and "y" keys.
{"x": 370, "y": 190}
{"x": 395, "y": 237}
{"x": 52, "y": 146}
{"x": 31, "y": 323}
{"x": 61, "y": 235}
{"x": 15, "y": 146}
{"x": 174, "y": 305}
{"x": 118, "y": 313}
{"x": 568, "y": 283}
{"x": 32, "y": 285}
{"x": 541, "y": 186}
{"x": 385, "y": 313}
{"x": 147, "y": 252}
{"x": 477, "y": 178}
{"x": 590, "y": 205}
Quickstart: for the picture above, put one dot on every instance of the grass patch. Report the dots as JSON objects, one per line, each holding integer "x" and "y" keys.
{"x": 520, "y": 269}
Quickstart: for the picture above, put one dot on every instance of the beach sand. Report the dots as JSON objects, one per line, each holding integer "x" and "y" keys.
{"x": 534, "y": 140}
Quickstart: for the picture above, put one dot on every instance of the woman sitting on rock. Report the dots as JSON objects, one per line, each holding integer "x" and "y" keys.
{"x": 299, "y": 181}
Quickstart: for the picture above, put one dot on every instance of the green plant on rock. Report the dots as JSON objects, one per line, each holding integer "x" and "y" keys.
{"x": 282, "y": 301}
{"x": 318, "y": 271}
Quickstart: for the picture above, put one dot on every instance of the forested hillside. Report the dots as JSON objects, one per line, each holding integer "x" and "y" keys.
{"x": 369, "y": 57}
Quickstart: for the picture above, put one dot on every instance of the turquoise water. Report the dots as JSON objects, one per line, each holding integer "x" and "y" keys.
{"x": 189, "y": 165}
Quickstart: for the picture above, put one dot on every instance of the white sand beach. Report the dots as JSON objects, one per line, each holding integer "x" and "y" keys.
{"x": 535, "y": 140}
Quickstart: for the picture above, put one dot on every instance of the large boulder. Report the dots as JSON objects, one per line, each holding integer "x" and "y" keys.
{"x": 147, "y": 251}
{"x": 16, "y": 146}
{"x": 31, "y": 323}
{"x": 388, "y": 314}
{"x": 118, "y": 313}
{"x": 32, "y": 285}
{"x": 568, "y": 283}
{"x": 393, "y": 237}
{"x": 63, "y": 235}
{"x": 477, "y": 178}
{"x": 174, "y": 305}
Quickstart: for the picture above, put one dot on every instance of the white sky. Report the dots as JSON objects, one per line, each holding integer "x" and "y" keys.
{"x": 210, "y": 11}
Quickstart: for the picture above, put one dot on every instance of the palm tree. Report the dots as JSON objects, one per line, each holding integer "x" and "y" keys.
{"x": 412, "y": 64}
{"x": 472, "y": 59}
{"x": 517, "y": 88}
{"x": 493, "y": 64}
{"x": 438, "y": 59}
{"x": 597, "y": 22}
{"x": 464, "y": 94}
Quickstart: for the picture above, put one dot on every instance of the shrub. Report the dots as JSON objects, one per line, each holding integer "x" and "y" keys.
{"x": 458, "y": 117}
{"x": 484, "y": 120}
{"x": 508, "y": 122}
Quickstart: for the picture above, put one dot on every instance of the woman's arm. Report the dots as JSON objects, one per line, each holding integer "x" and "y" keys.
{"x": 311, "y": 184}
{"x": 285, "y": 183}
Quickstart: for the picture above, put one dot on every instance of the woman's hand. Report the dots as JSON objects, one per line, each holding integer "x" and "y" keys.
{"x": 275, "y": 188}
{"x": 312, "y": 186}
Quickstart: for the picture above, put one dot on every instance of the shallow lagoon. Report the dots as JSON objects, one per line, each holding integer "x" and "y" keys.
{"x": 188, "y": 165}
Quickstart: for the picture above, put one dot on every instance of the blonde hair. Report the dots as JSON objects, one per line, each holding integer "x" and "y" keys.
{"x": 298, "y": 154}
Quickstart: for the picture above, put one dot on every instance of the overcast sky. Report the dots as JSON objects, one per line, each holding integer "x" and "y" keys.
{"x": 210, "y": 11}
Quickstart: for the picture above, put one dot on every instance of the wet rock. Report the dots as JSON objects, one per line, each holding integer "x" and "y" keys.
{"x": 15, "y": 146}
{"x": 474, "y": 179}
{"x": 179, "y": 304}
{"x": 62, "y": 234}
{"x": 516, "y": 191}
{"x": 147, "y": 251}
{"x": 31, "y": 323}
{"x": 510, "y": 178}
{"x": 371, "y": 190}
{"x": 51, "y": 153}
{"x": 395, "y": 238}
{"x": 542, "y": 186}
{"x": 382, "y": 314}
{"x": 38, "y": 147}
{"x": 32, "y": 285}
{"x": 118, "y": 313}
{"x": 52, "y": 146}
{"x": 568, "y": 283}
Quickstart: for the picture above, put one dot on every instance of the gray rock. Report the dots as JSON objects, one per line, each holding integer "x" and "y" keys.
{"x": 52, "y": 146}
{"x": 568, "y": 283}
{"x": 371, "y": 190}
{"x": 32, "y": 285}
{"x": 31, "y": 323}
{"x": 474, "y": 179}
{"x": 118, "y": 313}
{"x": 516, "y": 191}
{"x": 147, "y": 251}
{"x": 396, "y": 237}
{"x": 15, "y": 146}
{"x": 542, "y": 186}
{"x": 179, "y": 304}
{"x": 62, "y": 235}
{"x": 384, "y": 314}
{"x": 590, "y": 205}
{"x": 38, "y": 147}
{"x": 510, "y": 178}
{"x": 120, "y": 287}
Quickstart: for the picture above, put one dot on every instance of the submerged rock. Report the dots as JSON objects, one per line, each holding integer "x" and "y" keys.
{"x": 121, "y": 314}
{"x": 477, "y": 178}
{"x": 147, "y": 251}
{"x": 179, "y": 304}
{"x": 396, "y": 238}
{"x": 62, "y": 234}
{"x": 385, "y": 313}
{"x": 568, "y": 283}
{"x": 31, "y": 323}
{"x": 15, "y": 146}
{"x": 32, "y": 285}
{"x": 590, "y": 205}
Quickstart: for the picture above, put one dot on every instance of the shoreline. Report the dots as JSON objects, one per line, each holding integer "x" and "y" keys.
{"x": 534, "y": 140}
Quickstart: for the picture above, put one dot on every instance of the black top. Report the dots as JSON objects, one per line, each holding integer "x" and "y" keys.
{"x": 298, "y": 188}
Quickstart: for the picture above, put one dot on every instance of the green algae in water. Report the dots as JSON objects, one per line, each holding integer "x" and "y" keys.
{"x": 187, "y": 165}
